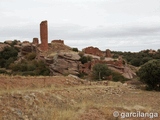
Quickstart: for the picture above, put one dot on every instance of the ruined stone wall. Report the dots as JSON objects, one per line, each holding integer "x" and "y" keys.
{"x": 57, "y": 41}
{"x": 35, "y": 41}
{"x": 44, "y": 35}
{"x": 93, "y": 51}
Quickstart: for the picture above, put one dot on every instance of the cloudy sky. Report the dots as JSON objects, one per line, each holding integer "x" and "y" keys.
{"x": 123, "y": 25}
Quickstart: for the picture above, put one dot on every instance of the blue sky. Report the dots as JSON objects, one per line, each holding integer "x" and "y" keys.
{"x": 123, "y": 25}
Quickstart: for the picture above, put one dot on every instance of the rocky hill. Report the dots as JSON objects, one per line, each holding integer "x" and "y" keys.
{"x": 60, "y": 59}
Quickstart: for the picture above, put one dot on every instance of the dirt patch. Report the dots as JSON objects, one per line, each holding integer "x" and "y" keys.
{"x": 69, "y": 98}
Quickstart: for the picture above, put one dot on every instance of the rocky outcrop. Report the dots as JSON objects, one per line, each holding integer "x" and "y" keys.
{"x": 108, "y": 53}
{"x": 44, "y": 35}
{"x": 3, "y": 45}
{"x": 93, "y": 51}
{"x": 65, "y": 63}
{"x": 8, "y": 42}
{"x": 27, "y": 48}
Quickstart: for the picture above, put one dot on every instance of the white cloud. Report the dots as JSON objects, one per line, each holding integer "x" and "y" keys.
{"x": 114, "y": 24}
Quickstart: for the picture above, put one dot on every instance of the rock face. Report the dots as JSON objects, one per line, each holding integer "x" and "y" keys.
{"x": 108, "y": 53}
{"x": 35, "y": 41}
{"x": 93, "y": 51}
{"x": 8, "y": 42}
{"x": 65, "y": 63}
{"x": 27, "y": 48}
{"x": 3, "y": 45}
{"x": 44, "y": 35}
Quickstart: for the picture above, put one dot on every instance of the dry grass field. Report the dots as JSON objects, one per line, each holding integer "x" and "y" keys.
{"x": 70, "y": 98}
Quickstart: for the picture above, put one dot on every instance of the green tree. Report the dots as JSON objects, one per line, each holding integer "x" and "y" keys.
{"x": 85, "y": 59}
{"x": 135, "y": 62}
{"x": 75, "y": 49}
{"x": 8, "y": 56}
{"x": 149, "y": 73}
{"x": 100, "y": 71}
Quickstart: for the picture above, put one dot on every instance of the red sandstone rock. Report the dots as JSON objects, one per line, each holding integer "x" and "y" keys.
{"x": 93, "y": 51}
{"x": 44, "y": 35}
{"x": 108, "y": 53}
{"x": 57, "y": 41}
{"x": 3, "y": 46}
{"x": 35, "y": 41}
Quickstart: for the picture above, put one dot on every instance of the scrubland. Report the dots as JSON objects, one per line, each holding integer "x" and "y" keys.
{"x": 70, "y": 98}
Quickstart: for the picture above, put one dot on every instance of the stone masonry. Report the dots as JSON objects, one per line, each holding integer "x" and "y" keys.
{"x": 35, "y": 41}
{"x": 58, "y": 41}
{"x": 44, "y": 35}
{"x": 93, "y": 51}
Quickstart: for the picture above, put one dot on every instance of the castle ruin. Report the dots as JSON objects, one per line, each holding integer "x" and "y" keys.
{"x": 44, "y": 35}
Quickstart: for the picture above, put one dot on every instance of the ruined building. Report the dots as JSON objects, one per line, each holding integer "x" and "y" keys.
{"x": 35, "y": 41}
{"x": 44, "y": 35}
{"x": 93, "y": 51}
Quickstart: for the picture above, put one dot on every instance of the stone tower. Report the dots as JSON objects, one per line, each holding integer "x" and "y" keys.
{"x": 35, "y": 41}
{"x": 44, "y": 35}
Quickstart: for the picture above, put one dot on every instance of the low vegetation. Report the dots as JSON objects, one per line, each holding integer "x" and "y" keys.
{"x": 64, "y": 98}
{"x": 8, "y": 56}
{"x": 149, "y": 74}
{"x": 85, "y": 59}
{"x": 28, "y": 65}
{"x": 75, "y": 49}
{"x": 100, "y": 71}
{"x": 138, "y": 58}
{"x": 33, "y": 68}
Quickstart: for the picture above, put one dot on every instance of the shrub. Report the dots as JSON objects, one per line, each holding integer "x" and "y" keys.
{"x": 9, "y": 52}
{"x": 100, "y": 71}
{"x": 8, "y": 56}
{"x": 31, "y": 56}
{"x": 85, "y": 59}
{"x": 2, "y": 62}
{"x": 3, "y": 72}
{"x": 9, "y": 61}
{"x": 75, "y": 49}
{"x": 118, "y": 77}
{"x": 135, "y": 62}
{"x": 149, "y": 74}
{"x": 30, "y": 68}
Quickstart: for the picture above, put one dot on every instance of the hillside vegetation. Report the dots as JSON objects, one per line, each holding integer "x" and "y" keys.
{"x": 69, "y": 98}
{"x": 138, "y": 58}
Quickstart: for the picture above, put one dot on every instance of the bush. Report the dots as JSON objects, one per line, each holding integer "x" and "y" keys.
{"x": 149, "y": 74}
{"x": 9, "y": 52}
{"x": 85, "y": 59}
{"x": 8, "y": 56}
{"x": 118, "y": 77}
{"x": 100, "y": 71}
{"x": 75, "y": 49}
{"x": 135, "y": 62}
{"x": 31, "y": 56}
{"x": 9, "y": 61}
{"x": 30, "y": 68}
{"x": 3, "y": 72}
